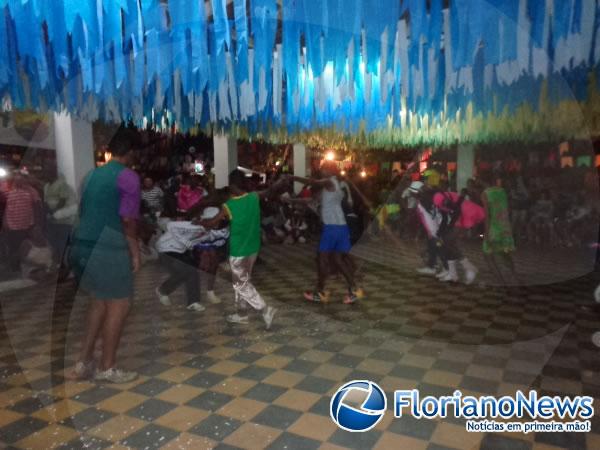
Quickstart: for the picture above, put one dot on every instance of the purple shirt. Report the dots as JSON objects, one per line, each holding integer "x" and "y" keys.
{"x": 128, "y": 184}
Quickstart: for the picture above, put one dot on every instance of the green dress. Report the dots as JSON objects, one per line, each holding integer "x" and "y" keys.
{"x": 499, "y": 238}
{"x": 99, "y": 254}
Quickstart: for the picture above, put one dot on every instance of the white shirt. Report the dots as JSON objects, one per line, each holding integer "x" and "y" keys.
{"x": 332, "y": 212}
{"x": 182, "y": 236}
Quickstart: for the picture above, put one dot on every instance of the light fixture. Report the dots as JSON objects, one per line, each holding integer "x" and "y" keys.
{"x": 278, "y": 163}
{"x": 3, "y": 172}
{"x": 343, "y": 172}
{"x": 107, "y": 156}
{"x": 330, "y": 156}
{"x": 363, "y": 174}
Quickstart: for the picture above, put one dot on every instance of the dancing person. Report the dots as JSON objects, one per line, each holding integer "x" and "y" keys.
{"x": 176, "y": 249}
{"x": 498, "y": 238}
{"x": 242, "y": 210}
{"x": 104, "y": 256}
{"x": 457, "y": 212}
{"x": 335, "y": 243}
{"x": 208, "y": 251}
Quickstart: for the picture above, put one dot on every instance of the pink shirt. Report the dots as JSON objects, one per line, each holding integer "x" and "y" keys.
{"x": 471, "y": 213}
{"x": 187, "y": 197}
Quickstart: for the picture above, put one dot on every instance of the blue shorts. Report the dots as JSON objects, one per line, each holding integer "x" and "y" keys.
{"x": 335, "y": 239}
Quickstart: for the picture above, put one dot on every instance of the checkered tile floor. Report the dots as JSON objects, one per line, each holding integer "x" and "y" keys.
{"x": 205, "y": 384}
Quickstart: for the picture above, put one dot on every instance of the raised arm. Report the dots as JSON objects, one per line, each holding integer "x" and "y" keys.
{"x": 325, "y": 183}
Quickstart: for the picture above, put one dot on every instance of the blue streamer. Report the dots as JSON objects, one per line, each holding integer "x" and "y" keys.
{"x": 536, "y": 10}
{"x": 221, "y": 24}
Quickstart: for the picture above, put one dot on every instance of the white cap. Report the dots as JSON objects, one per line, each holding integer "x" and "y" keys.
{"x": 209, "y": 213}
{"x": 416, "y": 186}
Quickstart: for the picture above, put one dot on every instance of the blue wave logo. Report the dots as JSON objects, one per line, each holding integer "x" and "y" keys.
{"x": 358, "y": 406}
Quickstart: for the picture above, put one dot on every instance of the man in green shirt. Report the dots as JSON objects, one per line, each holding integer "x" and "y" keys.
{"x": 242, "y": 210}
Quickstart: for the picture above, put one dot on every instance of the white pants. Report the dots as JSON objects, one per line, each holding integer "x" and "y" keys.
{"x": 245, "y": 292}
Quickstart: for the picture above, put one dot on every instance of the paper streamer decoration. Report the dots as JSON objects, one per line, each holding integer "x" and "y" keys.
{"x": 374, "y": 72}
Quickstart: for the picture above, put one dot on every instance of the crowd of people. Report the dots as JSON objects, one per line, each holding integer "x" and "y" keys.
{"x": 127, "y": 217}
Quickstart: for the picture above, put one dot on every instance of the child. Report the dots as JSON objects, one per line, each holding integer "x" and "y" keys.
{"x": 243, "y": 212}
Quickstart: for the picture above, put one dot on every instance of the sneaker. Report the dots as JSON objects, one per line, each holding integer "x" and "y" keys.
{"x": 196, "y": 307}
{"x": 470, "y": 276}
{"x": 162, "y": 298}
{"x": 268, "y": 317}
{"x": 236, "y": 318}
{"x": 81, "y": 371}
{"x": 353, "y": 296}
{"x": 442, "y": 274}
{"x": 426, "y": 271}
{"x": 116, "y": 376}
{"x": 212, "y": 298}
{"x": 317, "y": 297}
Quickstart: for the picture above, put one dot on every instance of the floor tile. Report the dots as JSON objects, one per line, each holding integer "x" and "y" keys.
{"x": 252, "y": 436}
{"x": 216, "y": 427}
{"x": 151, "y": 436}
{"x": 277, "y": 417}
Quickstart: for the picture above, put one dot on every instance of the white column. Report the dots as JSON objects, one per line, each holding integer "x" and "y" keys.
{"x": 226, "y": 158}
{"x": 465, "y": 163}
{"x": 74, "y": 148}
{"x": 301, "y": 164}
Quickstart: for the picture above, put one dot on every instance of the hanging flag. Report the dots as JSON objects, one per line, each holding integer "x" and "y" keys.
{"x": 221, "y": 25}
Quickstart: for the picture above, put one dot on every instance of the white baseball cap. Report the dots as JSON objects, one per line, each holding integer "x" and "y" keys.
{"x": 209, "y": 213}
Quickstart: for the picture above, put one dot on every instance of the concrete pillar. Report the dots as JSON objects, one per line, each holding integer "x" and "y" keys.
{"x": 74, "y": 148}
{"x": 226, "y": 158}
{"x": 301, "y": 164}
{"x": 465, "y": 164}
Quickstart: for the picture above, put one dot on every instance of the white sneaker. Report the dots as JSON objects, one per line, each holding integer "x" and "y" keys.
{"x": 451, "y": 275}
{"x": 212, "y": 298}
{"x": 470, "y": 276}
{"x": 426, "y": 271}
{"x": 82, "y": 371}
{"x": 116, "y": 376}
{"x": 162, "y": 298}
{"x": 198, "y": 307}
{"x": 236, "y": 318}
{"x": 268, "y": 317}
{"x": 442, "y": 274}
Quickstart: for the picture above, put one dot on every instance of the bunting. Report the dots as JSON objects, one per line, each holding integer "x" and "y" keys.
{"x": 385, "y": 71}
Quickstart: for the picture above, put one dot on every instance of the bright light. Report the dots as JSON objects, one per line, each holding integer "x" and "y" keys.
{"x": 107, "y": 156}
{"x": 343, "y": 172}
{"x": 330, "y": 156}
{"x": 278, "y": 163}
{"x": 363, "y": 174}
{"x": 3, "y": 172}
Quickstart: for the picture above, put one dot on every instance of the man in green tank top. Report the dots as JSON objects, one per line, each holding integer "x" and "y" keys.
{"x": 242, "y": 210}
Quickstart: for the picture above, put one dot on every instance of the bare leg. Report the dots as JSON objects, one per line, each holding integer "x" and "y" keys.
{"x": 345, "y": 269}
{"x": 322, "y": 270}
{"x": 95, "y": 319}
{"x": 117, "y": 311}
